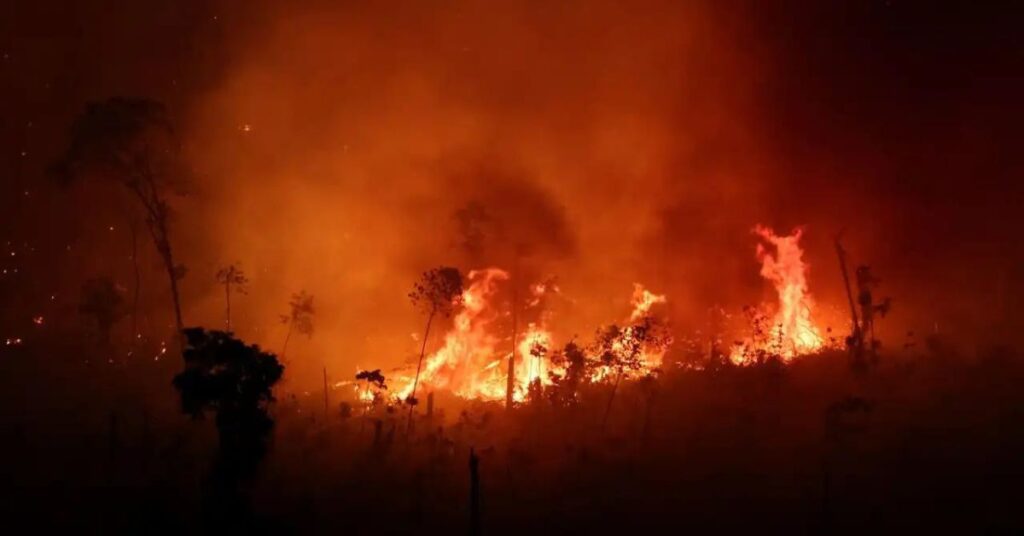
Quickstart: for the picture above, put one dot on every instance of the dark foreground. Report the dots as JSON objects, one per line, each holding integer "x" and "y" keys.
{"x": 929, "y": 440}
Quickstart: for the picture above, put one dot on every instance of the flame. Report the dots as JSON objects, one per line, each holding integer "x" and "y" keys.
{"x": 792, "y": 332}
{"x": 531, "y": 362}
{"x": 468, "y": 364}
{"x": 473, "y": 361}
{"x": 643, "y": 300}
{"x": 650, "y": 359}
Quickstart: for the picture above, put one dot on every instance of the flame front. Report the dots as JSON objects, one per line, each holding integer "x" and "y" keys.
{"x": 473, "y": 361}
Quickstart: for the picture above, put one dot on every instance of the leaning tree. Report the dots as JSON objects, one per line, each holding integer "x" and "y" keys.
{"x": 299, "y": 317}
{"x": 622, "y": 350}
{"x": 132, "y": 142}
{"x": 438, "y": 291}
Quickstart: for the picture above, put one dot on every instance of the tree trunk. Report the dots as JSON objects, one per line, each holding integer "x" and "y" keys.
{"x": 474, "y": 493}
{"x": 419, "y": 366}
{"x": 646, "y": 430}
{"x": 511, "y": 383}
{"x": 227, "y": 300}
{"x": 325, "y": 394}
{"x": 156, "y": 221}
{"x": 179, "y": 323}
{"x": 159, "y": 231}
{"x": 608, "y": 408}
{"x": 287, "y": 337}
{"x": 135, "y": 269}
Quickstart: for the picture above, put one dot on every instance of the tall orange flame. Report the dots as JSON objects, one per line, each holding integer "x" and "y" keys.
{"x": 793, "y": 331}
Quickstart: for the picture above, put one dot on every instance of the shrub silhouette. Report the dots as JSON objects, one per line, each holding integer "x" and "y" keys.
{"x": 233, "y": 380}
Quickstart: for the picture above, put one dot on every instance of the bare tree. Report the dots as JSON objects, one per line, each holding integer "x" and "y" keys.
{"x": 132, "y": 142}
{"x": 299, "y": 317}
{"x": 573, "y": 359}
{"x": 232, "y": 276}
{"x": 375, "y": 382}
{"x": 438, "y": 291}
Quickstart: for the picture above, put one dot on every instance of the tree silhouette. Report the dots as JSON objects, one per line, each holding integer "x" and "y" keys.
{"x": 132, "y": 142}
{"x": 374, "y": 380}
{"x": 234, "y": 381}
{"x": 101, "y": 300}
{"x": 621, "y": 350}
{"x": 866, "y": 282}
{"x": 574, "y": 360}
{"x": 232, "y": 276}
{"x": 438, "y": 291}
{"x": 299, "y": 317}
{"x": 535, "y": 390}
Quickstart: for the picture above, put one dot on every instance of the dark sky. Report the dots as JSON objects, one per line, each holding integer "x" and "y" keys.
{"x": 900, "y": 120}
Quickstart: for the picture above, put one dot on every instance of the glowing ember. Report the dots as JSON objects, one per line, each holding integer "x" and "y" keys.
{"x": 792, "y": 331}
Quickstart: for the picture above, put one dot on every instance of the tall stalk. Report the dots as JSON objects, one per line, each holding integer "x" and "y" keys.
{"x": 419, "y": 367}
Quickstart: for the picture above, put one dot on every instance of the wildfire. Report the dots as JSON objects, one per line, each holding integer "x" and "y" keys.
{"x": 473, "y": 360}
{"x": 792, "y": 331}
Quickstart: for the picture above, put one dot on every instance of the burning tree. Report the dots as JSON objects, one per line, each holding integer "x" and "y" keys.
{"x": 231, "y": 276}
{"x": 622, "y": 350}
{"x": 234, "y": 381}
{"x": 535, "y": 390}
{"x": 132, "y": 142}
{"x": 376, "y": 384}
{"x": 299, "y": 317}
{"x": 438, "y": 291}
{"x": 573, "y": 360}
